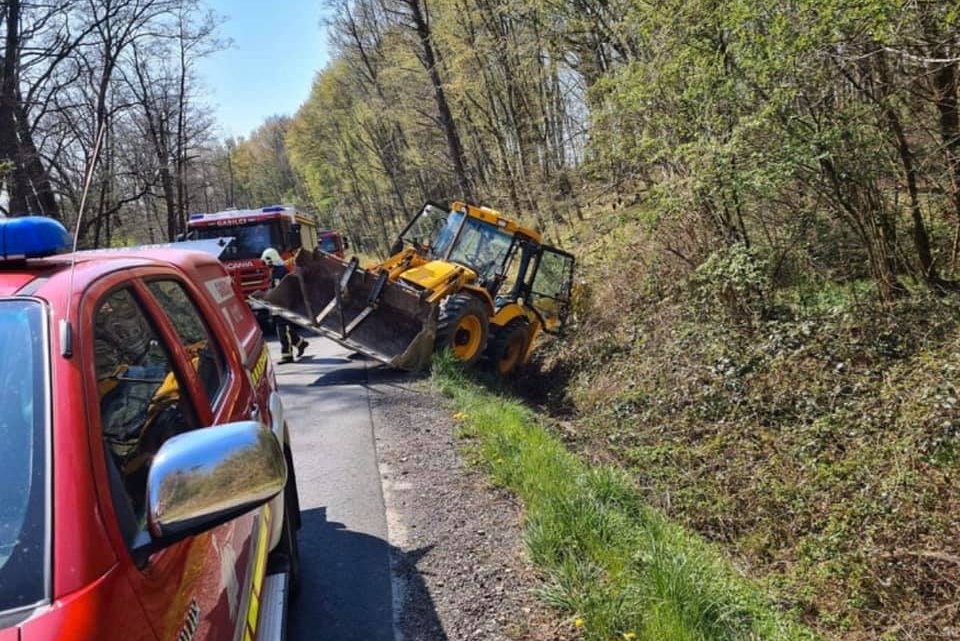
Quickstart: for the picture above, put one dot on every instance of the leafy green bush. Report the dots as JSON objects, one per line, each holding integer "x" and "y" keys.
{"x": 732, "y": 281}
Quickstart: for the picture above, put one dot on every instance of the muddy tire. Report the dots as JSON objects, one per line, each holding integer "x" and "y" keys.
{"x": 507, "y": 346}
{"x": 463, "y": 327}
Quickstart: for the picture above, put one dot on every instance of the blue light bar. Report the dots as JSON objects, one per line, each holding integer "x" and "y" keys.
{"x": 196, "y": 216}
{"x": 273, "y": 210}
{"x": 32, "y": 237}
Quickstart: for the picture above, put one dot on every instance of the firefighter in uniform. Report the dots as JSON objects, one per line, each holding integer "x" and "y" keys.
{"x": 290, "y": 338}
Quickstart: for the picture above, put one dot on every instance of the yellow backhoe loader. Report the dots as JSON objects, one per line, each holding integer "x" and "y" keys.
{"x": 463, "y": 278}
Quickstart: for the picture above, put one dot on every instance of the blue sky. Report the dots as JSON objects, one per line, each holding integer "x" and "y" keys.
{"x": 278, "y": 47}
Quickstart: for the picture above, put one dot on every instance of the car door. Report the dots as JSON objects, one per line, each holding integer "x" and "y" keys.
{"x": 551, "y": 290}
{"x": 160, "y": 371}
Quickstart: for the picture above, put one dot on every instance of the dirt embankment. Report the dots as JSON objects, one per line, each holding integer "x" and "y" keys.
{"x": 818, "y": 449}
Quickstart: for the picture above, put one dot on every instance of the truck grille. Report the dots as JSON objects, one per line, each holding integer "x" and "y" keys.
{"x": 252, "y": 280}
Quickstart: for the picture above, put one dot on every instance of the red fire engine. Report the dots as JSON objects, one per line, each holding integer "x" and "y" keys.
{"x": 333, "y": 242}
{"x": 254, "y": 230}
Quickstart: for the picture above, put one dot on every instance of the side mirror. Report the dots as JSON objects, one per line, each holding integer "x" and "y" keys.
{"x": 346, "y": 243}
{"x": 204, "y": 478}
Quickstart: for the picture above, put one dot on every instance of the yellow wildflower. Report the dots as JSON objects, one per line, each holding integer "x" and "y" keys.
{"x": 459, "y": 416}
{"x": 629, "y": 636}
{"x": 579, "y": 622}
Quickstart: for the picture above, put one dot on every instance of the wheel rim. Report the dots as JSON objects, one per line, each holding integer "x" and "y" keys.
{"x": 467, "y": 337}
{"x": 511, "y": 353}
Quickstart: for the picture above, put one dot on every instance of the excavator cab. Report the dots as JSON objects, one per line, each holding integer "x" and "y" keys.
{"x": 453, "y": 236}
{"x": 463, "y": 278}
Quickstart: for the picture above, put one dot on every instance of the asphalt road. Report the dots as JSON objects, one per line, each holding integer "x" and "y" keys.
{"x": 345, "y": 555}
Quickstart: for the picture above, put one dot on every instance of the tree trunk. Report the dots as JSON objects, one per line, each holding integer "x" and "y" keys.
{"x": 231, "y": 195}
{"x": 37, "y": 174}
{"x": 181, "y": 141}
{"x": 18, "y": 183}
{"x": 864, "y": 208}
{"x": 921, "y": 239}
{"x": 167, "y": 180}
{"x": 945, "y": 83}
{"x": 430, "y": 61}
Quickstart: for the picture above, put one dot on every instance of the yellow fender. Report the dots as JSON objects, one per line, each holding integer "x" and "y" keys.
{"x": 507, "y": 313}
{"x": 512, "y": 311}
{"x": 483, "y": 295}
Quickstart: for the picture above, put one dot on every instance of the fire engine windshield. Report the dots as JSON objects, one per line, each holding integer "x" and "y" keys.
{"x": 329, "y": 244}
{"x": 249, "y": 240}
{"x": 23, "y": 433}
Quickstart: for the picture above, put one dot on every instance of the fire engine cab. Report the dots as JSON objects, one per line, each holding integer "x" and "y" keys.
{"x": 147, "y": 490}
{"x": 333, "y": 242}
{"x": 254, "y": 230}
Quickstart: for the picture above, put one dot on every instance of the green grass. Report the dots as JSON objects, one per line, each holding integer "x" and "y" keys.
{"x": 617, "y": 567}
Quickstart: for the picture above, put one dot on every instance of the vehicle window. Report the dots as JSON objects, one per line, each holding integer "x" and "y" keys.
{"x": 551, "y": 287}
{"x": 517, "y": 259}
{"x": 445, "y": 233}
{"x": 204, "y": 351}
{"x": 141, "y": 404}
{"x": 482, "y": 247}
{"x": 23, "y": 432}
{"x": 433, "y": 225}
{"x": 328, "y": 244}
{"x": 249, "y": 240}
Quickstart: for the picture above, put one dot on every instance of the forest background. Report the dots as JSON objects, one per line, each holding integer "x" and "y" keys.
{"x": 764, "y": 198}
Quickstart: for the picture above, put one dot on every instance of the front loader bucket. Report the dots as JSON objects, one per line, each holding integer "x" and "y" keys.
{"x": 360, "y": 309}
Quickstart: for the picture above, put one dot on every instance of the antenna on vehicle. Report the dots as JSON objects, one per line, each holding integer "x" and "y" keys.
{"x": 66, "y": 330}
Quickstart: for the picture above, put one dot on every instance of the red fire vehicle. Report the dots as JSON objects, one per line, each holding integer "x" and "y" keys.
{"x": 333, "y": 242}
{"x": 146, "y": 484}
{"x": 254, "y": 230}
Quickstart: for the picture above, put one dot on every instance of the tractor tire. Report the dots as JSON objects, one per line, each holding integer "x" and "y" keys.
{"x": 463, "y": 327}
{"x": 506, "y": 349}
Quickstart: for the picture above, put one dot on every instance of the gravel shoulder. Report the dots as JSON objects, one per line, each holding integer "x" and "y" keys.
{"x": 459, "y": 569}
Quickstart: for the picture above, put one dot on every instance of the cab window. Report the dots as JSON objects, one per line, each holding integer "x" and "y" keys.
{"x": 328, "y": 244}
{"x": 550, "y": 293}
{"x": 481, "y": 246}
{"x": 249, "y": 239}
{"x": 517, "y": 272}
{"x": 204, "y": 351}
{"x": 141, "y": 404}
